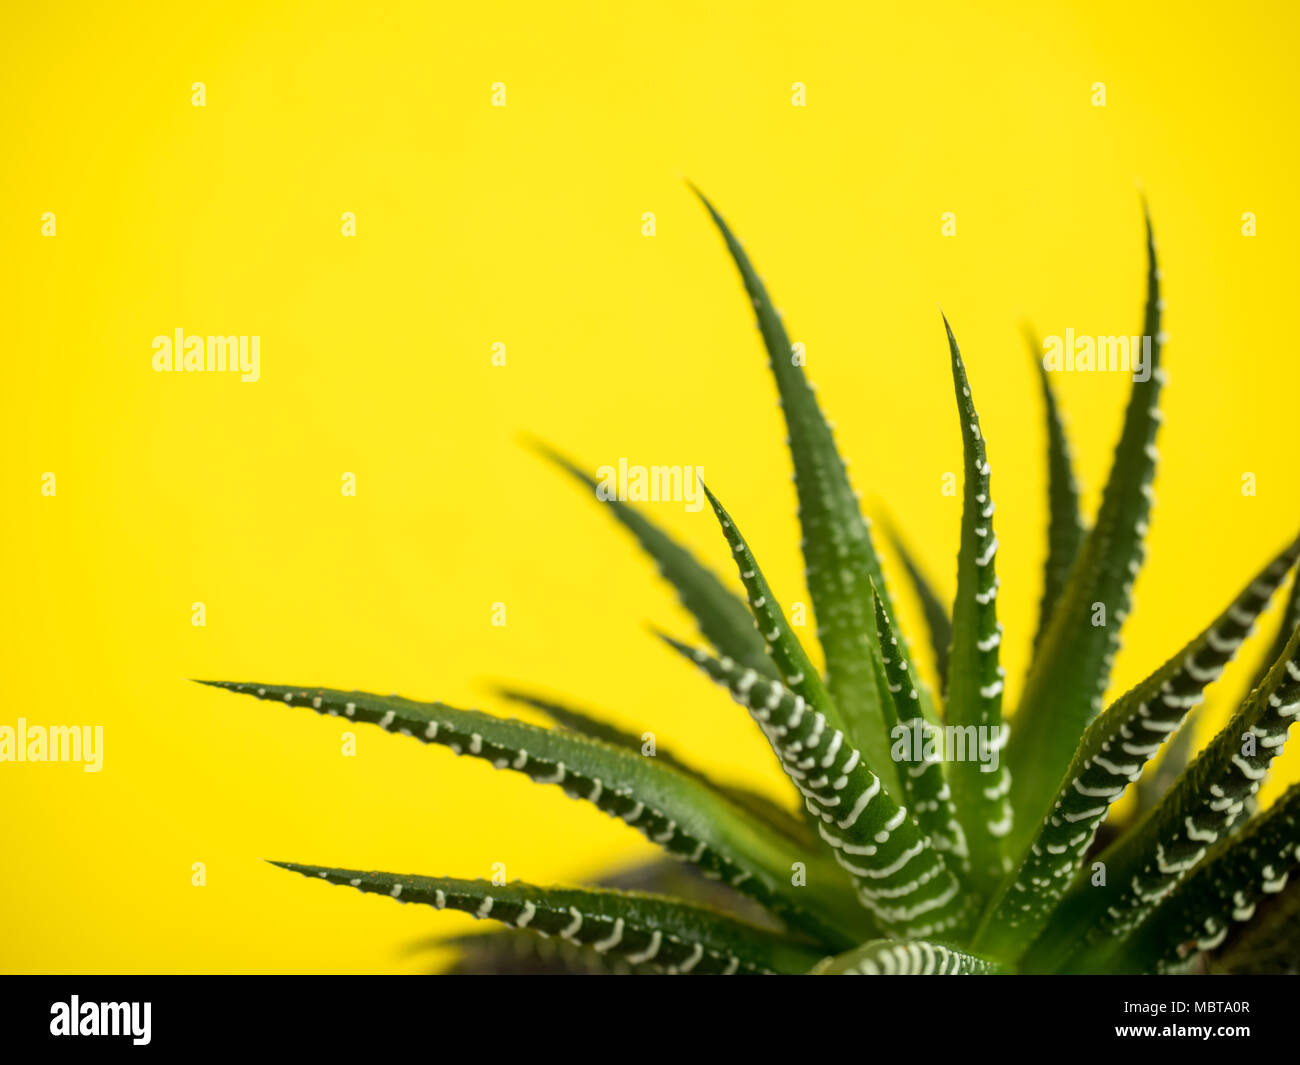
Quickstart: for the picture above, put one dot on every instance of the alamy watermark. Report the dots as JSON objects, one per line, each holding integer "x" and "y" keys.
{"x": 55, "y": 743}
{"x": 651, "y": 484}
{"x": 179, "y": 353}
{"x": 1088, "y": 354}
{"x": 75, "y": 1017}
{"x": 918, "y": 741}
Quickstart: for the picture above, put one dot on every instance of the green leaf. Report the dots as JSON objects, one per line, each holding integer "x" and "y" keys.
{"x": 974, "y": 703}
{"x": 1159, "y": 777}
{"x": 1268, "y": 945}
{"x": 722, "y": 617}
{"x": 1153, "y": 785}
{"x": 1114, "y": 750}
{"x": 937, "y": 622}
{"x": 506, "y": 950}
{"x": 1069, "y": 675}
{"x": 901, "y": 878}
{"x": 917, "y": 957}
{"x": 686, "y": 818}
{"x": 1146, "y": 864}
{"x": 925, "y": 787}
{"x": 587, "y": 724}
{"x": 671, "y": 935}
{"x": 507, "y": 953}
{"x": 840, "y": 561}
{"x": 1227, "y": 887}
{"x": 1065, "y": 529}
{"x": 1287, "y": 624}
{"x": 783, "y": 646}
{"x": 777, "y": 817}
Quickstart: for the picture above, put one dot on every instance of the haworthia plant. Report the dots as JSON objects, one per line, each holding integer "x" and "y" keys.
{"x": 1064, "y": 525}
{"x": 1263, "y": 945}
{"x": 917, "y": 851}
{"x": 917, "y": 957}
{"x": 980, "y": 786}
{"x": 782, "y": 644}
{"x": 1226, "y": 888}
{"x": 937, "y": 622}
{"x": 1113, "y": 752}
{"x": 1071, "y": 669}
{"x": 839, "y": 559}
{"x": 568, "y": 717}
{"x": 678, "y": 812}
{"x": 722, "y": 618}
{"x": 901, "y": 878}
{"x": 1207, "y": 801}
{"x": 506, "y": 949}
{"x": 671, "y": 935}
{"x": 920, "y": 756}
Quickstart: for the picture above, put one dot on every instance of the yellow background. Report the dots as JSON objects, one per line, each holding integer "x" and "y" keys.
{"x": 522, "y": 225}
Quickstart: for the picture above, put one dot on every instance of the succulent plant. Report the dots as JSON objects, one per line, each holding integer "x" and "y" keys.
{"x": 934, "y": 837}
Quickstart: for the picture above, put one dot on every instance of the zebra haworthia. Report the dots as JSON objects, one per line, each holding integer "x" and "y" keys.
{"x": 937, "y": 622}
{"x": 974, "y": 663}
{"x": 840, "y": 559}
{"x": 887, "y": 957}
{"x": 901, "y": 878}
{"x": 720, "y": 615}
{"x": 1239, "y": 874}
{"x": 911, "y": 861}
{"x": 1065, "y": 530}
{"x": 1070, "y": 672}
{"x": 922, "y": 768}
{"x": 677, "y": 812}
{"x": 1114, "y": 750}
{"x": 671, "y": 936}
{"x": 568, "y": 717}
{"x": 782, "y": 644}
{"x": 1205, "y": 803}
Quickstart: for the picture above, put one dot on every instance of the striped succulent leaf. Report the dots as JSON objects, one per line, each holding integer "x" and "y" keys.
{"x": 937, "y": 622}
{"x": 510, "y": 950}
{"x": 513, "y": 953}
{"x": 1268, "y": 944}
{"x": 974, "y": 703}
{"x": 588, "y": 724}
{"x": 1158, "y": 780}
{"x": 1069, "y": 675}
{"x": 722, "y": 617}
{"x": 902, "y": 863}
{"x": 689, "y": 820}
{"x": 777, "y": 817}
{"x": 670, "y": 935}
{"x": 901, "y": 878}
{"x": 840, "y": 561}
{"x": 1065, "y": 530}
{"x": 1287, "y": 624}
{"x": 1227, "y": 887}
{"x": 783, "y": 646}
{"x": 916, "y": 957}
{"x": 1115, "y": 748}
{"x": 1206, "y": 802}
{"x": 919, "y": 756}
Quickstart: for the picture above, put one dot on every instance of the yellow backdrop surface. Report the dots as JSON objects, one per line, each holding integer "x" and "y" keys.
{"x": 525, "y": 225}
